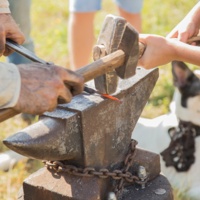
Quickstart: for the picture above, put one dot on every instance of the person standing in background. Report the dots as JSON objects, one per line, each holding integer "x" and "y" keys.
{"x": 81, "y": 33}
{"x": 20, "y": 11}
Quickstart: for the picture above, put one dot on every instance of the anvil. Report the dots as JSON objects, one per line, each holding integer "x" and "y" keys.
{"x": 90, "y": 131}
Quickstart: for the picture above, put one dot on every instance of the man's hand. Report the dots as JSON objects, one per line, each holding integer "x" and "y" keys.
{"x": 188, "y": 27}
{"x": 9, "y": 29}
{"x": 41, "y": 86}
{"x": 159, "y": 51}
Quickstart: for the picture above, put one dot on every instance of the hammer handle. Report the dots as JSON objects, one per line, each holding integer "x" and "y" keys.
{"x": 194, "y": 39}
{"x": 142, "y": 48}
{"x": 89, "y": 72}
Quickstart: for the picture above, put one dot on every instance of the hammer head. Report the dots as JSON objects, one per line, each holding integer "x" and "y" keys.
{"x": 107, "y": 43}
{"x": 130, "y": 45}
{"x": 117, "y": 34}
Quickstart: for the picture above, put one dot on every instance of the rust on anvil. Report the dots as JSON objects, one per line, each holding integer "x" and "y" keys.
{"x": 94, "y": 131}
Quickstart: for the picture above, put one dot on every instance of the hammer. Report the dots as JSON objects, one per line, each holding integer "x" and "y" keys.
{"x": 115, "y": 55}
{"x": 117, "y": 34}
{"x": 120, "y": 40}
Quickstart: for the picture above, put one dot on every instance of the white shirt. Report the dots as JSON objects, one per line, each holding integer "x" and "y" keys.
{"x": 10, "y": 80}
{"x": 4, "y": 6}
{"x": 10, "y": 85}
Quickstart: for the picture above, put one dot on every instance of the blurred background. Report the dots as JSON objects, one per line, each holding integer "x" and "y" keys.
{"x": 49, "y": 31}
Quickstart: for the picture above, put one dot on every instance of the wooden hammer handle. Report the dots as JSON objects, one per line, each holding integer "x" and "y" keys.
{"x": 193, "y": 39}
{"x": 142, "y": 48}
{"x": 89, "y": 72}
{"x": 7, "y": 113}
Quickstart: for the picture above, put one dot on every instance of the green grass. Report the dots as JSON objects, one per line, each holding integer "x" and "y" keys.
{"x": 49, "y": 30}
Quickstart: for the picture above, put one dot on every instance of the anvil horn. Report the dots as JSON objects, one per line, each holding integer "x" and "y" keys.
{"x": 47, "y": 139}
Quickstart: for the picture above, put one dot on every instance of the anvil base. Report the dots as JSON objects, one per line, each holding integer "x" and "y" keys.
{"x": 42, "y": 185}
{"x": 156, "y": 189}
{"x": 65, "y": 190}
{"x": 47, "y": 184}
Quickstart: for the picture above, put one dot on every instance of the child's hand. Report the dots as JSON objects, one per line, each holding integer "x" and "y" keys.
{"x": 188, "y": 27}
{"x": 159, "y": 51}
{"x": 184, "y": 30}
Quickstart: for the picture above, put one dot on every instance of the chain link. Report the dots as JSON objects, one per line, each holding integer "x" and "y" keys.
{"x": 121, "y": 175}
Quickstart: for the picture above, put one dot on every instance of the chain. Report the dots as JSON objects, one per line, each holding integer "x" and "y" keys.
{"x": 121, "y": 175}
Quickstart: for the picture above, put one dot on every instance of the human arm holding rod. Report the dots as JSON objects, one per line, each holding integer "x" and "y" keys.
{"x": 34, "y": 88}
{"x": 188, "y": 27}
{"x": 160, "y": 50}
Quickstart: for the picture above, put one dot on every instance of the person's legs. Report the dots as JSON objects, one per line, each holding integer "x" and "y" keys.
{"x": 134, "y": 19}
{"x": 80, "y": 38}
{"x": 80, "y": 31}
{"x": 20, "y": 10}
{"x": 130, "y": 10}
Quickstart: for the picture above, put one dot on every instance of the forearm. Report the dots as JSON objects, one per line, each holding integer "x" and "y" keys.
{"x": 188, "y": 27}
{"x": 10, "y": 84}
{"x": 4, "y": 6}
{"x": 160, "y": 51}
{"x": 186, "y": 53}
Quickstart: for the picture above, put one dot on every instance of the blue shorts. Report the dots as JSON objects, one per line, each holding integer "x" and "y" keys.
{"x": 131, "y": 6}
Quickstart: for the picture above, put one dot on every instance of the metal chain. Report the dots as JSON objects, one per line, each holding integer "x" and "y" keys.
{"x": 122, "y": 175}
{"x": 127, "y": 163}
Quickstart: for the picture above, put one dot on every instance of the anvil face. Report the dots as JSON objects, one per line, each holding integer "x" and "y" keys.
{"x": 90, "y": 130}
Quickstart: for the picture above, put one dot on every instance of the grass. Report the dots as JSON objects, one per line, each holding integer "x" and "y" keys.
{"x": 49, "y": 30}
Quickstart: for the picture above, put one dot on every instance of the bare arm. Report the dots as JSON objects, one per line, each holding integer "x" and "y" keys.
{"x": 161, "y": 51}
{"x": 188, "y": 27}
{"x": 187, "y": 53}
